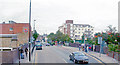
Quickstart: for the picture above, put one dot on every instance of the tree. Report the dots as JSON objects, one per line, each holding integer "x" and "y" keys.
{"x": 111, "y": 29}
{"x": 51, "y": 36}
{"x": 83, "y": 38}
{"x": 35, "y": 35}
{"x": 59, "y": 36}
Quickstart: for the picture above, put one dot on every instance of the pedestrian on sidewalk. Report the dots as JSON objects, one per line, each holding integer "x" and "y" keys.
{"x": 87, "y": 49}
{"x": 90, "y": 48}
{"x": 26, "y": 51}
{"x": 79, "y": 47}
{"x": 21, "y": 53}
{"x": 83, "y": 48}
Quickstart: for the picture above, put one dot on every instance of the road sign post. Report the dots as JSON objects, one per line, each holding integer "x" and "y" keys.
{"x": 100, "y": 42}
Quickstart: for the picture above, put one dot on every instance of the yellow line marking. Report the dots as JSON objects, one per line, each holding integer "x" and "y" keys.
{"x": 93, "y": 57}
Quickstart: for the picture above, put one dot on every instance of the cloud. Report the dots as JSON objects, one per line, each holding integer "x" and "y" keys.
{"x": 50, "y": 14}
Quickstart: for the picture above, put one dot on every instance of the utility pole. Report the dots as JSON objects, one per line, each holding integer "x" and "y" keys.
{"x": 100, "y": 42}
{"x": 30, "y": 32}
{"x": 84, "y": 38}
{"x": 34, "y": 26}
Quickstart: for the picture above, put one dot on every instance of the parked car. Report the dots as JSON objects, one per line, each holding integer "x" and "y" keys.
{"x": 47, "y": 44}
{"x": 79, "y": 57}
{"x": 39, "y": 46}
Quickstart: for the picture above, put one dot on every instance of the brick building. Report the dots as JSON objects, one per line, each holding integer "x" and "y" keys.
{"x": 66, "y": 28}
{"x": 13, "y": 34}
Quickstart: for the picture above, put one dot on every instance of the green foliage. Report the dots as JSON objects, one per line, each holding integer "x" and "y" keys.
{"x": 51, "y": 36}
{"x": 72, "y": 41}
{"x": 83, "y": 38}
{"x": 35, "y": 35}
{"x": 116, "y": 48}
{"x": 59, "y": 36}
{"x": 110, "y": 47}
{"x": 113, "y": 47}
{"x": 111, "y": 29}
{"x": 91, "y": 41}
{"x": 53, "y": 43}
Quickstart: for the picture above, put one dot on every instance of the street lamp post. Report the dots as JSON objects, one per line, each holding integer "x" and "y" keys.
{"x": 30, "y": 31}
{"x": 84, "y": 38}
{"x": 34, "y": 26}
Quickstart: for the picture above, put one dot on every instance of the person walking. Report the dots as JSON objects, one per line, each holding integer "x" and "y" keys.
{"x": 90, "y": 48}
{"x": 79, "y": 47}
{"x": 83, "y": 48}
{"x": 26, "y": 51}
{"x": 87, "y": 49}
{"x": 21, "y": 53}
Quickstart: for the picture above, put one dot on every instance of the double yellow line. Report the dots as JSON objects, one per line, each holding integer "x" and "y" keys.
{"x": 94, "y": 58}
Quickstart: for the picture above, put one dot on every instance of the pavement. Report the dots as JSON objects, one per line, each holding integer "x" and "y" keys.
{"x": 26, "y": 58}
{"x": 103, "y": 57}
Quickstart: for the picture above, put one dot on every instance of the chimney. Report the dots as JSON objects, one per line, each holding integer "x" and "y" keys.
{"x": 69, "y": 21}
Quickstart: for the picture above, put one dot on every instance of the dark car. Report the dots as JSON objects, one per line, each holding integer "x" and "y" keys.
{"x": 78, "y": 57}
{"x": 38, "y": 46}
{"x": 47, "y": 44}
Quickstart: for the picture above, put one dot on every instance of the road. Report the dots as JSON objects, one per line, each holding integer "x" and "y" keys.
{"x": 56, "y": 54}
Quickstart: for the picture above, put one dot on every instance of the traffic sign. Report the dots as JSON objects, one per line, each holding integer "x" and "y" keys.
{"x": 99, "y": 40}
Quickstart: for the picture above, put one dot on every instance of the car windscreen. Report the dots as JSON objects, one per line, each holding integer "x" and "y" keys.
{"x": 79, "y": 54}
{"x": 39, "y": 44}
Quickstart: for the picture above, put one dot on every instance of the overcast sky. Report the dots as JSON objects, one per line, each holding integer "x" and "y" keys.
{"x": 50, "y": 14}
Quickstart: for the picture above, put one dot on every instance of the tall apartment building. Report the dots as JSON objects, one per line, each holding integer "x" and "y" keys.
{"x": 75, "y": 31}
{"x": 67, "y": 28}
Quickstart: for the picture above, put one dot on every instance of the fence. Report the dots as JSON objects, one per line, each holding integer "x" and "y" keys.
{"x": 11, "y": 56}
{"x": 74, "y": 44}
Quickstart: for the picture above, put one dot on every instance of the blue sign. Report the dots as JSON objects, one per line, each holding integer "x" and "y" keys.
{"x": 37, "y": 41}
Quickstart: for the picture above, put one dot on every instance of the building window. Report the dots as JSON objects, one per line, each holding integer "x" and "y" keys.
{"x": 11, "y": 29}
{"x": 75, "y": 35}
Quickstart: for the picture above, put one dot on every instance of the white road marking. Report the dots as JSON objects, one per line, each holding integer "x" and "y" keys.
{"x": 65, "y": 61}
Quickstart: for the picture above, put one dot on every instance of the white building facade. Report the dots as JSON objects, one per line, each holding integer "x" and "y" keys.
{"x": 75, "y": 31}
{"x": 82, "y": 29}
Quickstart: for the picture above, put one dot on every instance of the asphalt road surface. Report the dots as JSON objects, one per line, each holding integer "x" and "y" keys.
{"x": 56, "y": 54}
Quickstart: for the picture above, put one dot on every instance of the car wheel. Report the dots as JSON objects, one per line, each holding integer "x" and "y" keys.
{"x": 86, "y": 62}
{"x": 75, "y": 61}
